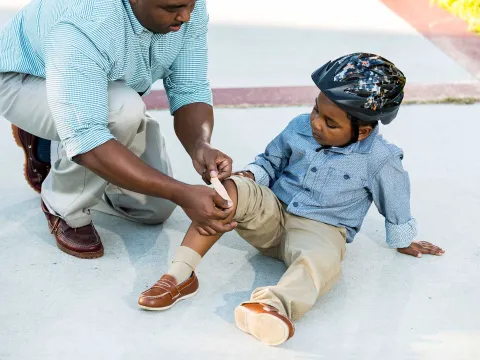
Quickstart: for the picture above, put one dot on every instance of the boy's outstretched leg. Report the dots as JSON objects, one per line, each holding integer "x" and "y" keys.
{"x": 180, "y": 282}
{"x": 312, "y": 252}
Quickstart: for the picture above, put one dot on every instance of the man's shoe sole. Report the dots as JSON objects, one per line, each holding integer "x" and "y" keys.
{"x": 19, "y": 143}
{"x": 262, "y": 326}
{"x": 81, "y": 255}
{"x": 170, "y": 306}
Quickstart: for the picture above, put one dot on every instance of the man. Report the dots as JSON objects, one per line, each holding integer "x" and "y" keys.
{"x": 74, "y": 72}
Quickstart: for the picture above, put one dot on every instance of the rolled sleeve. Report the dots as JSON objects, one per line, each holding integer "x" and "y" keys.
{"x": 391, "y": 195}
{"x": 188, "y": 83}
{"x": 77, "y": 89}
{"x": 402, "y": 235}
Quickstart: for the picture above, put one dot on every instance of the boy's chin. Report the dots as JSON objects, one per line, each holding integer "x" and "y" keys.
{"x": 320, "y": 142}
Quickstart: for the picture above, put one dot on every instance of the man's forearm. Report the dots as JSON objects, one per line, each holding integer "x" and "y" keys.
{"x": 116, "y": 164}
{"x": 194, "y": 125}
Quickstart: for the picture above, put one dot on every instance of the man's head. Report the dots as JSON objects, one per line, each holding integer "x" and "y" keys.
{"x": 162, "y": 16}
{"x": 331, "y": 126}
{"x": 362, "y": 88}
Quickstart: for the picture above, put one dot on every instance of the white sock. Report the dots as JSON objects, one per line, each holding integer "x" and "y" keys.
{"x": 184, "y": 262}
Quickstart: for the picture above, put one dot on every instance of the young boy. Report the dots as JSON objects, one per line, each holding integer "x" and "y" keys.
{"x": 306, "y": 196}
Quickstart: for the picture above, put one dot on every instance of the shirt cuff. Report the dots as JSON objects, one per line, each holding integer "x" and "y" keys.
{"x": 178, "y": 99}
{"x": 401, "y": 236}
{"x": 86, "y": 141}
{"x": 261, "y": 176}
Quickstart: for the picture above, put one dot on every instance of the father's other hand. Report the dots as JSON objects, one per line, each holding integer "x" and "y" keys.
{"x": 208, "y": 160}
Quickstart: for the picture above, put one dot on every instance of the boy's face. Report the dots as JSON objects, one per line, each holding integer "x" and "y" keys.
{"x": 331, "y": 125}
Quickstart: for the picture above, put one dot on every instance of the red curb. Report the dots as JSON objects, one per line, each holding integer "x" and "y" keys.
{"x": 444, "y": 29}
{"x": 305, "y": 95}
{"x": 438, "y": 25}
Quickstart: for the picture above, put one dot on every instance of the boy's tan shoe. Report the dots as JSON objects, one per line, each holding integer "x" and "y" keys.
{"x": 166, "y": 293}
{"x": 264, "y": 322}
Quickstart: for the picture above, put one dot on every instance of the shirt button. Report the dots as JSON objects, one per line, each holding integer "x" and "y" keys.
{"x": 346, "y": 177}
{"x": 295, "y": 204}
{"x": 314, "y": 169}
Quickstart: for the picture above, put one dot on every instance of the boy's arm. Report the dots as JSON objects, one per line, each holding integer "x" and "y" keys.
{"x": 391, "y": 194}
{"x": 267, "y": 167}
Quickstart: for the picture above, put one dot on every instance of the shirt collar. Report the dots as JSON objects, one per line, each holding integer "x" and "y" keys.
{"x": 136, "y": 26}
{"x": 362, "y": 147}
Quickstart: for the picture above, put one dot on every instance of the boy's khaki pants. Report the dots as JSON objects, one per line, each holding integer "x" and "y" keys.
{"x": 70, "y": 190}
{"x": 311, "y": 250}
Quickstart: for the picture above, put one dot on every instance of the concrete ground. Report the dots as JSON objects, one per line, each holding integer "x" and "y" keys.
{"x": 386, "y": 305}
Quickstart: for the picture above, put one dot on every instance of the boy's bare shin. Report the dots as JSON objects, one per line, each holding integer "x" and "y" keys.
{"x": 201, "y": 243}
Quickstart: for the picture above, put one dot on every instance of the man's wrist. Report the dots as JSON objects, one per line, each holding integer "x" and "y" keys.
{"x": 176, "y": 191}
{"x": 198, "y": 145}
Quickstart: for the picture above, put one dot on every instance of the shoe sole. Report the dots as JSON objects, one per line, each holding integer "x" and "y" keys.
{"x": 19, "y": 143}
{"x": 170, "y": 306}
{"x": 81, "y": 255}
{"x": 266, "y": 328}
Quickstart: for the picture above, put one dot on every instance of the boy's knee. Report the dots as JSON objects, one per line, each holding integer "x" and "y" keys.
{"x": 232, "y": 191}
{"x": 231, "y": 188}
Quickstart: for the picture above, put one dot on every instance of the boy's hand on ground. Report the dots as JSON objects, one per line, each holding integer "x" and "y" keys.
{"x": 421, "y": 247}
{"x": 207, "y": 209}
{"x": 247, "y": 174}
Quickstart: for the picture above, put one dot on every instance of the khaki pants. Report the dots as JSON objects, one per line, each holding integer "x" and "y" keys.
{"x": 71, "y": 190}
{"x": 311, "y": 250}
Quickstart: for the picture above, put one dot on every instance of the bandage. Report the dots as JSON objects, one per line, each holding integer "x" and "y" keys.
{"x": 220, "y": 189}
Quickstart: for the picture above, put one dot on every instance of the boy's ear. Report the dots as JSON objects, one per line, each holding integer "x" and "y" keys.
{"x": 364, "y": 132}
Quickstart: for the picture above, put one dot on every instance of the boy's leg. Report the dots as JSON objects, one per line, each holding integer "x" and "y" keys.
{"x": 260, "y": 218}
{"x": 256, "y": 211}
{"x": 313, "y": 252}
{"x": 195, "y": 246}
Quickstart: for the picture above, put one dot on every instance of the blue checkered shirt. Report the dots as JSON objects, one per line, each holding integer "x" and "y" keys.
{"x": 337, "y": 185}
{"x": 82, "y": 46}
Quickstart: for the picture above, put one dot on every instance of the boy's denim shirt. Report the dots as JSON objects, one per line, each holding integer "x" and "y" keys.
{"x": 337, "y": 185}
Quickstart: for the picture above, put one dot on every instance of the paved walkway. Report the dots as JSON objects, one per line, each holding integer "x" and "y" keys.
{"x": 386, "y": 306}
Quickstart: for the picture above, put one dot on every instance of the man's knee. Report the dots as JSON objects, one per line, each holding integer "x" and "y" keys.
{"x": 158, "y": 214}
{"x": 126, "y": 112}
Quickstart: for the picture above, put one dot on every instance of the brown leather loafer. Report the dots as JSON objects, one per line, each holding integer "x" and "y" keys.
{"x": 166, "y": 293}
{"x": 83, "y": 242}
{"x": 34, "y": 170}
{"x": 264, "y": 322}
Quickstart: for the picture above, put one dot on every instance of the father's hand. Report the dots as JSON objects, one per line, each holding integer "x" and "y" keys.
{"x": 207, "y": 209}
{"x": 207, "y": 159}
